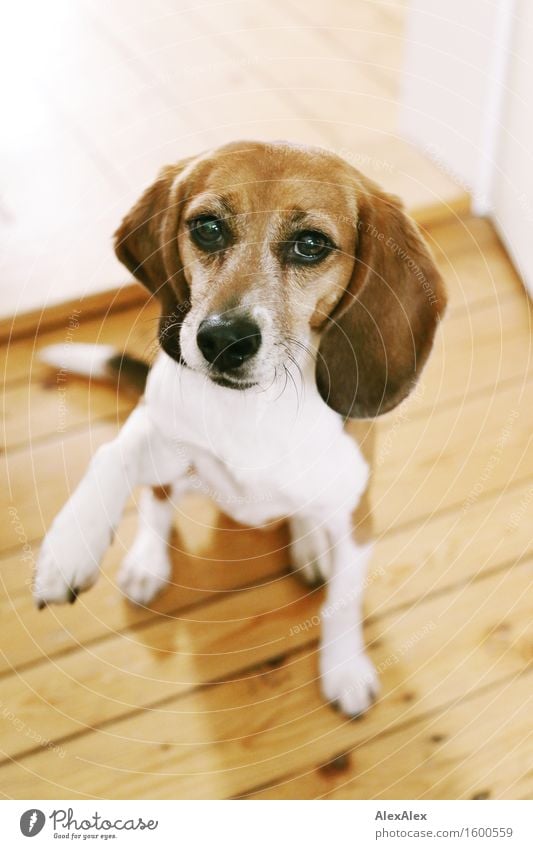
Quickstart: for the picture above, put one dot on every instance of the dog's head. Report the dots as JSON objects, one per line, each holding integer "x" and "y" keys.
{"x": 258, "y": 250}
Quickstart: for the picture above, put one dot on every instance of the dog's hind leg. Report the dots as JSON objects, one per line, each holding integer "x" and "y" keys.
{"x": 348, "y": 677}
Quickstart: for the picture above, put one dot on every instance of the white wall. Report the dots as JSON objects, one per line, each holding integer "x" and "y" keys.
{"x": 512, "y": 195}
{"x": 448, "y": 53}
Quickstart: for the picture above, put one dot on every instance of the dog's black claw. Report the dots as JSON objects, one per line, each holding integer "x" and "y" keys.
{"x": 41, "y": 604}
{"x": 72, "y": 595}
{"x": 355, "y": 717}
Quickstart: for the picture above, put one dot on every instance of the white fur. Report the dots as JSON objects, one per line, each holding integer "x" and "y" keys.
{"x": 261, "y": 455}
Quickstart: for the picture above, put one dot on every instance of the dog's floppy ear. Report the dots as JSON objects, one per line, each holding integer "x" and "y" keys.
{"x": 378, "y": 337}
{"x": 146, "y": 240}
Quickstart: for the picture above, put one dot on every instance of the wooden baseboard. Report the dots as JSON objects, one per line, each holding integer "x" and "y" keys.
{"x": 34, "y": 322}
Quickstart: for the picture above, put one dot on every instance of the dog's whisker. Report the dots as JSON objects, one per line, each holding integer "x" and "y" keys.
{"x": 291, "y": 376}
{"x": 302, "y": 346}
{"x": 293, "y": 380}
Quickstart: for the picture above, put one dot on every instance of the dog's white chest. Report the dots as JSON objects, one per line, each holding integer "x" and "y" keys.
{"x": 259, "y": 455}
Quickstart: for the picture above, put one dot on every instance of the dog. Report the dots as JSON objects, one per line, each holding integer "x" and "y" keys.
{"x": 298, "y": 300}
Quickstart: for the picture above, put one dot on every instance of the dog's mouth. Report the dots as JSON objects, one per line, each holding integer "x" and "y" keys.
{"x": 231, "y": 382}
{"x": 218, "y": 378}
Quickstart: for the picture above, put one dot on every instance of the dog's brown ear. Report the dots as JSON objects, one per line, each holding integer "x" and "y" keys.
{"x": 146, "y": 240}
{"x": 378, "y": 337}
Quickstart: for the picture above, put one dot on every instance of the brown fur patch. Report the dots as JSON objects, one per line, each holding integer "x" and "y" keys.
{"x": 162, "y": 492}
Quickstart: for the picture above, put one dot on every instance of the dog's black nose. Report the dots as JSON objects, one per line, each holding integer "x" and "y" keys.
{"x": 227, "y": 342}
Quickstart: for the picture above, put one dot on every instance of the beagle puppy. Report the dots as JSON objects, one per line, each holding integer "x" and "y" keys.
{"x": 295, "y": 296}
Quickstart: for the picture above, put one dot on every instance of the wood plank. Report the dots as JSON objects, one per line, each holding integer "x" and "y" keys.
{"x": 374, "y": 32}
{"x": 35, "y": 411}
{"x": 476, "y": 351}
{"x": 478, "y": 748}
{"x": 446, "y": 460}
{"x": 473, "y": 263}
{"x": 33, "y": 321}
{"x": 35, "y": 483}
{"x": 253, "y": 43}
{"x": 335, "y": 93}
{"x": 210, "y": 744}
{"x": 172, "y": 655}
{"x": 452, "y": 549}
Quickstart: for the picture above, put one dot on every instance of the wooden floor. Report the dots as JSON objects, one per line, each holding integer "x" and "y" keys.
{"x": 104, "y": 94}
{"x": 213, "y": 692}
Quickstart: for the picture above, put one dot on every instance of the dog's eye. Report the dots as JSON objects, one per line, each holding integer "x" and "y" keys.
{"x": 207, "y": 232}
{"x": 310, "y": 246}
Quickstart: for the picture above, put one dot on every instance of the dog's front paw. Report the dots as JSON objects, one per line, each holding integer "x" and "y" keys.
{"x": 68, "y": 560}
{"x": 349, "y": 681}
{"x": 145, "y": 571}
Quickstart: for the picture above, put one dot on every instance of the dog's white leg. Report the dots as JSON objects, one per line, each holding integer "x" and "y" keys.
{"x": 146, "y": 568}
{"x": 348, "y": 677}
{"x": 80, "y": 534}
{"x": 311, "y": 553}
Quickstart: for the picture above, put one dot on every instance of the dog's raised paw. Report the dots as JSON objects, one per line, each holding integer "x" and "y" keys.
{"x": 64, "y": 569}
